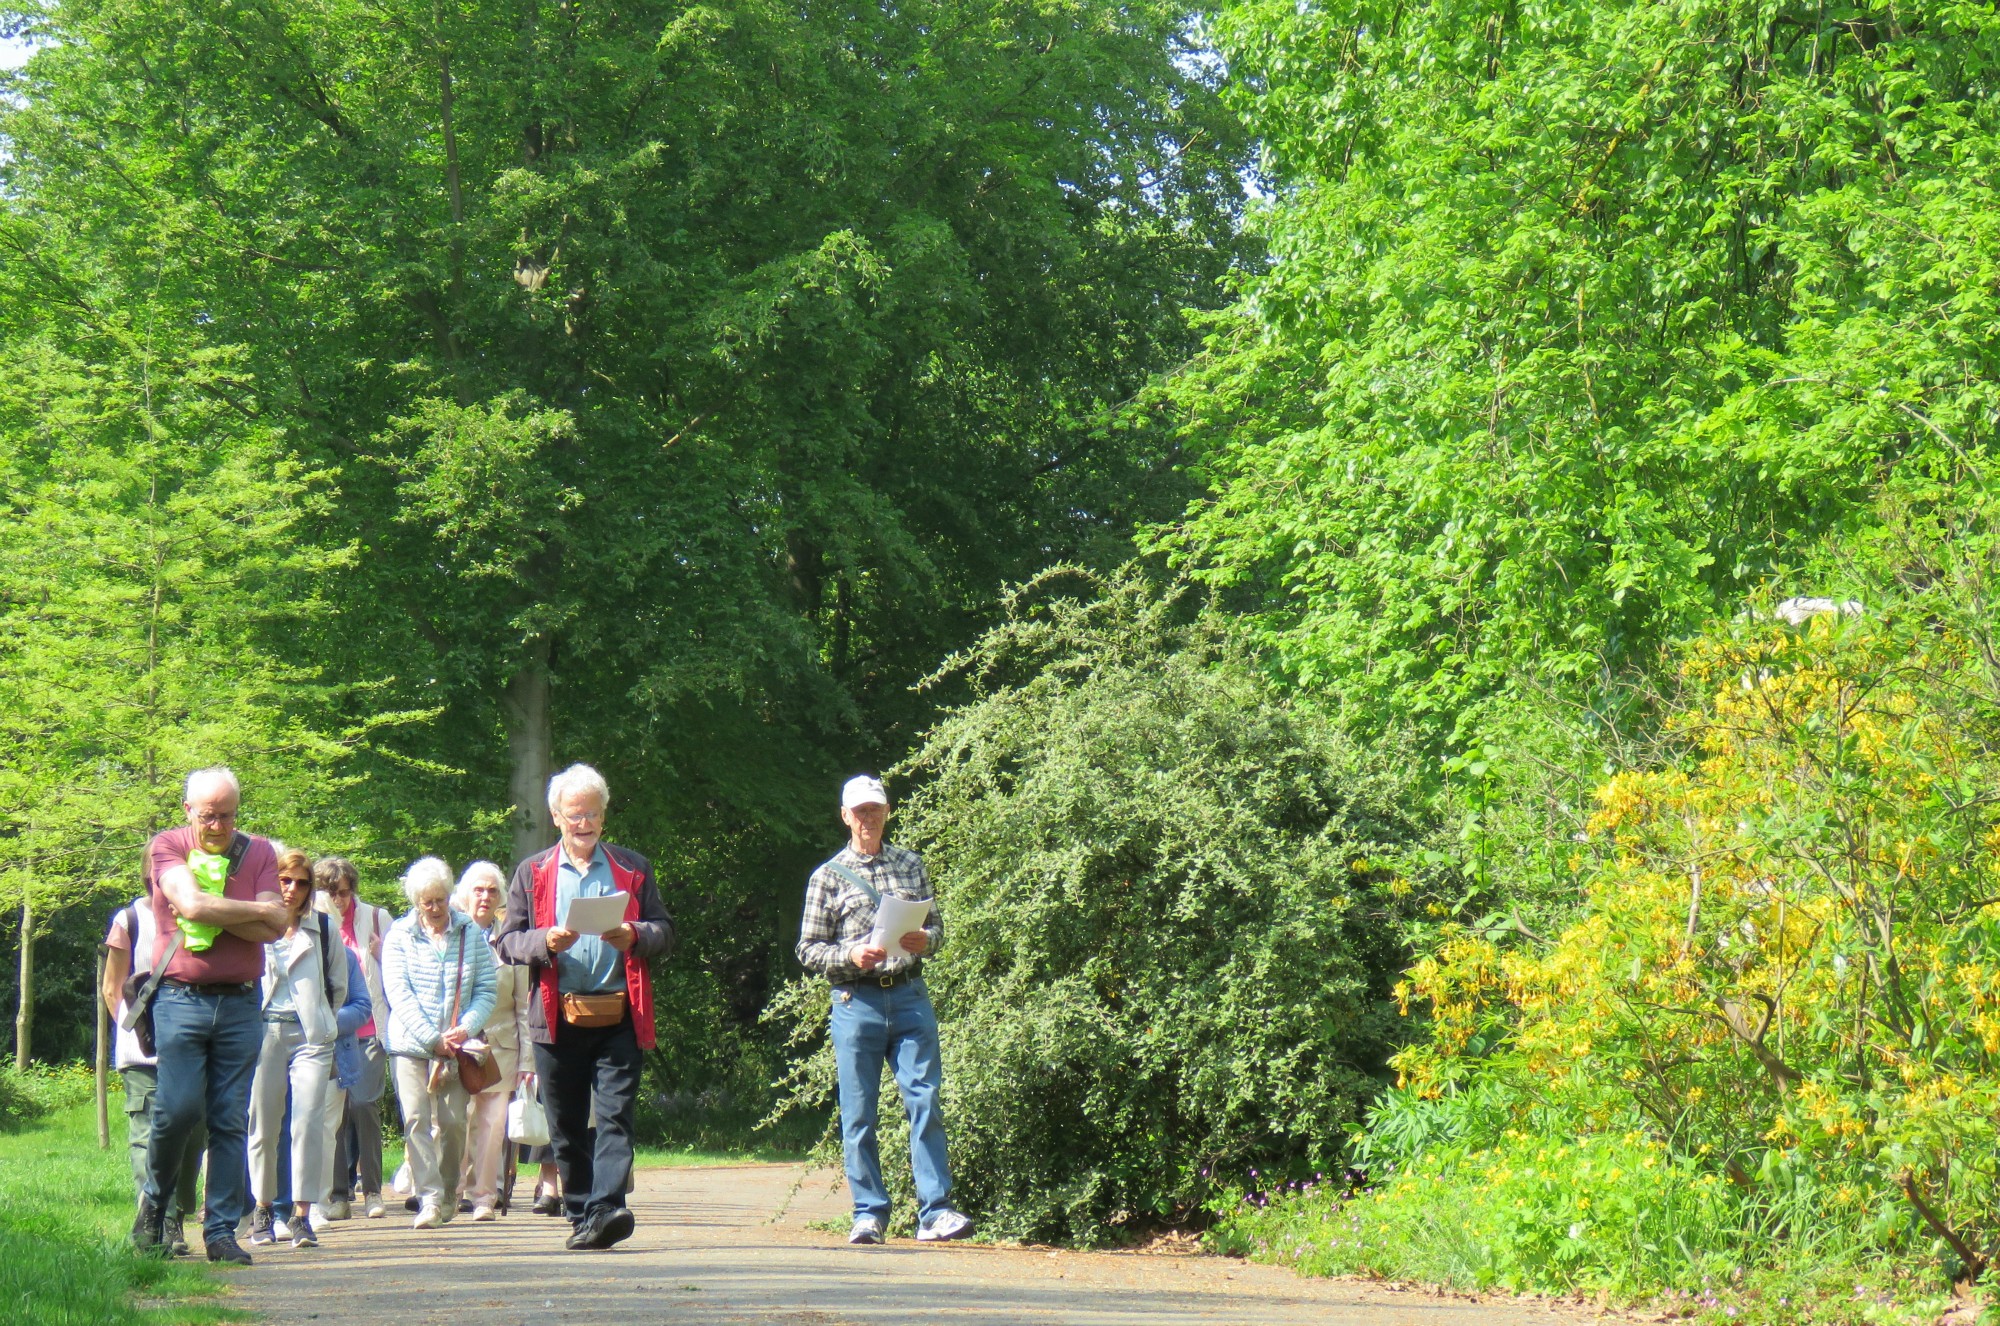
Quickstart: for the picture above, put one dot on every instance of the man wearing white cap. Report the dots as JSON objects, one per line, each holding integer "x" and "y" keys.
{"x": 881, "y": 1010}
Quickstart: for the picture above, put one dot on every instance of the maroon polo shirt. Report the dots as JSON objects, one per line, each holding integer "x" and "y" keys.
{"x": 229, "y": 959}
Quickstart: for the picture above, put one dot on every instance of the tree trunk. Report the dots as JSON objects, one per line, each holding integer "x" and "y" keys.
{"x": 24, "y": 1012}
{"x": 530, "y": 750}
{"x": 103, "y": 1062}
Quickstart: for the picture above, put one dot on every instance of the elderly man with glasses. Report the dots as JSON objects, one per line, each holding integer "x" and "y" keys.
{"x": 592, "y": 1017}
{"x": 215, "y": 905}
{"x": 880, "y": 1012}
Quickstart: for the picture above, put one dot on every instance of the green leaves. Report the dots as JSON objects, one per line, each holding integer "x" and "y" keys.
{"x": 1584, "y": 321}
{"x": 480, "y": 477}
{"x": 1167, "y": 894}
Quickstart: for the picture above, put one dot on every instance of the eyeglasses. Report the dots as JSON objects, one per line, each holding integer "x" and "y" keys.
{"x": 300, "y": 882}
{"x": 341, "y": 892}
{"x": 578, "y": 821}
{"x": 215, "y": 817}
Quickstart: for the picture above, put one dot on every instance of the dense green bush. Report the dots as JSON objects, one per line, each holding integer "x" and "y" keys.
{"x": 1170, "y": 901}
{"x": 1757, "y": 1067}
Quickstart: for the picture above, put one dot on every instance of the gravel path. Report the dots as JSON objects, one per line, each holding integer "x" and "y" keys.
{"x": 730, "y": 1246}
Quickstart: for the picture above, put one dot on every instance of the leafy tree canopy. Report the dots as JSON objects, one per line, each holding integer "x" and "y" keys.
{"x": 1581, "y": 321}
{"x": 678, "y": 382}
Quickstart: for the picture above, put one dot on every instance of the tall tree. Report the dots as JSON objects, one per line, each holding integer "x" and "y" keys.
{"x": 1585, "y": 319}
{"x": 150, "y": 580}
{"x": 688, "y": 376}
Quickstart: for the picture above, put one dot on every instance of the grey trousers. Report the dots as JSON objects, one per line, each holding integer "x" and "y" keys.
{"x": 433, "y": 1131}
{"x": 357, "y": 1144}
{"x": 287, "y": 1063}
{"x": 140, "y": 1084}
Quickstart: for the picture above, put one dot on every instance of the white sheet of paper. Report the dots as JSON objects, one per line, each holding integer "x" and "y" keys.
{"x": 593, "y": 916}
{"x": 894, "y": 918}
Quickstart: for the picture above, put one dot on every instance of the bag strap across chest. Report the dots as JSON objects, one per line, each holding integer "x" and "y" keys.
{"x": 858, "y": 880}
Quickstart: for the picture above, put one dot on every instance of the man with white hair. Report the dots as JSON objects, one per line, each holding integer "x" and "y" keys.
{"x": 215, "y": 903}
{"x": 592, "y": 1018}
{"x": 880, "y": 1011}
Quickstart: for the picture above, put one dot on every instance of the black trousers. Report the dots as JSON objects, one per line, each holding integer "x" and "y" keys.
{"x": 592, "y": 1068}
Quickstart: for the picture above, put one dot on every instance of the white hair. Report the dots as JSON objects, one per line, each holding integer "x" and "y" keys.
{"x": 204, "y": 778}
{"x": 461, "y": 897}
{"x": 578, "y": 778}
{"x": 427, "y": 875}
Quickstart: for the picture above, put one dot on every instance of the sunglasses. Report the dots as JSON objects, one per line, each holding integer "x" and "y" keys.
{"x": 286, "y": 879}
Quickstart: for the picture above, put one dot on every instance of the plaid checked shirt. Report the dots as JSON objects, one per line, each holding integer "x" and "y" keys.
{"x": 838, "y": 915}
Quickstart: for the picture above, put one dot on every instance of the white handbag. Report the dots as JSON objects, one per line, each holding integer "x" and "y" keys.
{"x": 526, "y": 1123}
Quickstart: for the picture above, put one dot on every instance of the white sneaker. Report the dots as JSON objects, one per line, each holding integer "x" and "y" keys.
{"x": 375, "y": 1209}
{"x": 428, "y": 1217}
{"x": 281, "y": 1229}
{"x": 337, "y": 1209}
{"x": 483, "y": 1212}
{"x": 867, "y": 1229}
{"x": 943, "y": 1227}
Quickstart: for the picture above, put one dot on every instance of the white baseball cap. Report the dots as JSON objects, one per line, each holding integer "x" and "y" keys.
{"x": 863, "y": 791}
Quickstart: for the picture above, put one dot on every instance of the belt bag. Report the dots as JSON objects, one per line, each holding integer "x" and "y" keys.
{"x": 594, "y": 1010}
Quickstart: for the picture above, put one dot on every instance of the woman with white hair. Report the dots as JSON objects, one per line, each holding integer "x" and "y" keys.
{"x": 482, "y": 896}
{"x": 439, "y": 976}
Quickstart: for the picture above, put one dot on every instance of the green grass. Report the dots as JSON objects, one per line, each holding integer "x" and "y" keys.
{"x": 692, "y": 1156}
{"x": 1595, "y": 1215}
{"x": 65, "y": 1209}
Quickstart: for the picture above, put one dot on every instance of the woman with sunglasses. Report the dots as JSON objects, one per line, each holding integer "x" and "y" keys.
{"x": 305, "y": 987}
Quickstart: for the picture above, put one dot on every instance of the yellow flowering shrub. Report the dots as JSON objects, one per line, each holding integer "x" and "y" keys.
{"x": 1789, "y": 957}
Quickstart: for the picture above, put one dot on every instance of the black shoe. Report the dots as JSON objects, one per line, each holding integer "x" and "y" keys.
{"x": 227, "y": 1249}
{"x": 617, "y": 1227}
{"x": 172, "y": 1238}
{"x": 465, "y": 1206}
{"x": 146, "y": 1227}
{"x": 548, "y": 1204}
{"x": 592, "y": 1235}
{"x": 413, "y": 1203}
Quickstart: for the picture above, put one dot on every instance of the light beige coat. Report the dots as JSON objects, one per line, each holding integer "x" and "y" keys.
{"x": 507, "y": 1030}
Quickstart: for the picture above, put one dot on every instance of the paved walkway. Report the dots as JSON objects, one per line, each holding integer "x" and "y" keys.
{"x": 730, "y": 1246}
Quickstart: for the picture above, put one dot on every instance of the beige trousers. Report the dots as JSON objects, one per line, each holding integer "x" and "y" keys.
{"x": 487, "y": 1147}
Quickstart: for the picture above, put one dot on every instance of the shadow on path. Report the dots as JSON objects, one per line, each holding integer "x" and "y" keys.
{"x": 729, "y": 1246}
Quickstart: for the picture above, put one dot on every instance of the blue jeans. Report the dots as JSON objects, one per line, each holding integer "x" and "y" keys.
{"x": 871, "y": 1024}
{"x": 208, "y": 1053}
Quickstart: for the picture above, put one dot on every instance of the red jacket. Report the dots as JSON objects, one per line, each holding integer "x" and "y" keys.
{"x": 531, "y": 914}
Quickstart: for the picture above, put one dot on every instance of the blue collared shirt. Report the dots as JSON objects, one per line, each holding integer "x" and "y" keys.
{"x": 589, "y": 965}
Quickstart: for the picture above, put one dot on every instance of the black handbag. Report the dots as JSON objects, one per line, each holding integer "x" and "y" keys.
{"x": 137, "y": 992}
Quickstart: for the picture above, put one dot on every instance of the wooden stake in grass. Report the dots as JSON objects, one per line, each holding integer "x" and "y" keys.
{"x": 103, "y": 1066}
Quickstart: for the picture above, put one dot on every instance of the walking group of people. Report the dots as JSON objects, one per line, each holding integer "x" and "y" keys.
{"x": 265, "y": 1010}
